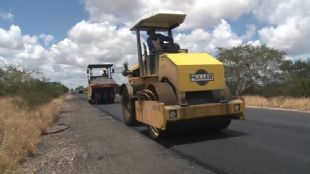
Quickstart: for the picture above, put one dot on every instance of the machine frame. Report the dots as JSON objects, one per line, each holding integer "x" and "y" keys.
{"x": 103, "y": 91}
{"x": 161, "y": 99}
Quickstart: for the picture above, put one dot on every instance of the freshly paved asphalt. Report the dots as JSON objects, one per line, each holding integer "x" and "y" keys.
{"x": 268, "y": 141}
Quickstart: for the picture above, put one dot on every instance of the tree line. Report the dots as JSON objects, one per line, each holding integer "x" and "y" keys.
{"x": 265, "y": 71}
{"x": 26, "y": 88}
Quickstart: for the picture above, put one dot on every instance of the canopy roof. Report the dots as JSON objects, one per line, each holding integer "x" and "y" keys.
{"x": 99, "y": 65}
{"x": 160, "y": 19}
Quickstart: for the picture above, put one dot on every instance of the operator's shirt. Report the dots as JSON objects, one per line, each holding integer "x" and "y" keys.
{"x": 157, "y": 45}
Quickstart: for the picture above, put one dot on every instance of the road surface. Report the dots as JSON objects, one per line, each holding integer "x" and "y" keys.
{"x": 268, "y": 141}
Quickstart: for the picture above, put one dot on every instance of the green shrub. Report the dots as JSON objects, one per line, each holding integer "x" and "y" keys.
{"x": 17, "y": 82}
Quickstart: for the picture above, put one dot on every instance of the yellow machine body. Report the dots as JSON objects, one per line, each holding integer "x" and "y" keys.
{"x": 101, "y": 87}
{"x": 172, "y": 85}
{"x": 156, "y": 114}
{"x": 178, "y": 68}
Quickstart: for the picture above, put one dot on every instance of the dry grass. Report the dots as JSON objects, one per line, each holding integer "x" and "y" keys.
{"x": 302, "y": 104}
{"x": 22, "y": 130}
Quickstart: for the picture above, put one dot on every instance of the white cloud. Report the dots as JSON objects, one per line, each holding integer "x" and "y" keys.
{"x": 254, "y": 43}
{"x": 47, "y": 39}
{"x": 290, "y": 36}
{"x": 278, "y": 11}
{"x": 200, "y": 40}
{"x": 95, "y": 42}
{"x": 200, "y": 13}
{"x": 31, "y": 52}
{"x": 7, "y": 16}
{"x": 224, "y": 37}
{"x": 250, "y": 32}
{"x": 197, "y": 40}
{"x": 21, "y": 49}
{"x": 209, "y": 13}
{"x": 113, "y": 11}
{"x": 11, "y": 39}
{"x": 84, "y": 32}
{"x": 92, "y": 43}
{"x": 290, "y": 27}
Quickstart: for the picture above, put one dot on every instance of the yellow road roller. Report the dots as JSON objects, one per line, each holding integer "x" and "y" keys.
{"x": 101, "y": 86}
{"x": 171, "y": 86}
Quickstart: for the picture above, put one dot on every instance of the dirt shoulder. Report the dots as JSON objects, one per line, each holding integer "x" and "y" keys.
{"x": 97, "y": 143}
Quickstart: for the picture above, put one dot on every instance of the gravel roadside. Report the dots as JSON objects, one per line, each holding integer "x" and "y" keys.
{"x": 97, "y": 143}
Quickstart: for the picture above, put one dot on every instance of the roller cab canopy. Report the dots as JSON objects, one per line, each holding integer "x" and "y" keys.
{"x": 99, "y": 66}
{"x": 161, "y": 20}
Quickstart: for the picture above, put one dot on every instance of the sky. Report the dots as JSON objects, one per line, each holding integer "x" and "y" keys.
{"x": 60, "y": 38}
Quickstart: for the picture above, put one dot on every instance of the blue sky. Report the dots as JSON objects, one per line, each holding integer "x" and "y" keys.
{"x": 60, "y": 37}
{"x": 56, "y": 17}
{"x": 239, "y": 25}
{"x": 37, "y": 17}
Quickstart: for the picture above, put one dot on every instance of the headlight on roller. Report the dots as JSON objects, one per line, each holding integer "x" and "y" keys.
{"x": 236, "y": 107}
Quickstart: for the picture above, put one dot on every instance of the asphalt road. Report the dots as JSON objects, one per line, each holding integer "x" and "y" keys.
{"x": 268, "y": 141}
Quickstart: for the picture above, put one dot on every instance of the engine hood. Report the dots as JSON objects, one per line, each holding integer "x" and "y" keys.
{"x": 192, "y": 71}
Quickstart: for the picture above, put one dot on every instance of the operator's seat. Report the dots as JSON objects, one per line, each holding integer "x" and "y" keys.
{"x": 171, "y": 48}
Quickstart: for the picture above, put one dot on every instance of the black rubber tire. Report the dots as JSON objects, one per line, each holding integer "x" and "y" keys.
{"x": 219, "y": 123}
{"x": 128, "y": 108}
{"x": 154, "y": 133}
{"x": 111, "y": 96}
{"x": 105, "y": 96}
{"x": 225, "y": 122}
{"x": 162, "y": 92}
{"x": 97, "y": 98}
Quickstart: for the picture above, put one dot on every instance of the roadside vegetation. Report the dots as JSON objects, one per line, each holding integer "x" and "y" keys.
{"x": 266, "y": 77}
{"x": 28, "y": 106}
{"x": 30, "y": 92}
{"x": 294, "y": 103}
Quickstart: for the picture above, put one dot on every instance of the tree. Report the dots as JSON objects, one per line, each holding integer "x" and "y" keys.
{"x": 11, "y": 79}
{"x": 297, "y": 74}
{"x": 248, "y": 65}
